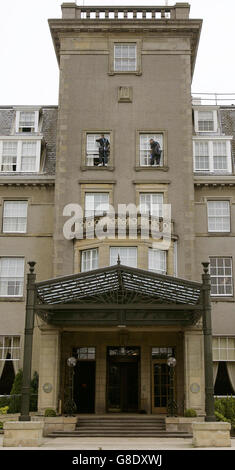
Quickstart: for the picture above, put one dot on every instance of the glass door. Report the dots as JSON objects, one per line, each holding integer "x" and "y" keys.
{"x": 160, "y": 385}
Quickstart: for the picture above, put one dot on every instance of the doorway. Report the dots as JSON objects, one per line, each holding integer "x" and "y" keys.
{"x": 123, "y": 379}
{"x": 160, "y": 385}
{"x": 84, "y": 386}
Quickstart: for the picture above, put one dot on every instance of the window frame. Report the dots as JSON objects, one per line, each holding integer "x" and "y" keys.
{"x": 125, "y": 41}
{"x": 217, "y": 357}
{"x": 151, "y": 194}
{"x": 12, "y": 347}
{"x": 122, "y": 247}
{"x": 97, "y": 132}
{"x": 211, "y": 155}
{"x": 94, "y": 193}
{"x": 19, "y": 152}
{"x": 20, "y": 278}
{"x": 23, "y": 201}
{"x": 150, "y": 134}
{"x": 210, "y": 201}
{"x": 82, "y": 254}
{"x": 212, "y": 276}
{"x": 196, "y": 120}
{"x": 164, "y": 252}
{"x": 33, "y": 128}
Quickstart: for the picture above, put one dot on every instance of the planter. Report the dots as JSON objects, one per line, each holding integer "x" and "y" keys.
{"x": 182, "y": 424}
{"x": 23, "y": 433}
{"x": 211, "y": 434}
{"x": 58, "y": 423}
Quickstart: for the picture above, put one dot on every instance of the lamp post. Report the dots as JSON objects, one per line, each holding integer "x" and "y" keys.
{"x": 207, "y": 331}
{"x": 171, "y": 405}
{"x": 70, "y": 404}
{"x": 28, "y": 344}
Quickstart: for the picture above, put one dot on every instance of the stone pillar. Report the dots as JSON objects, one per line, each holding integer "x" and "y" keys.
{"x": 101, "y": 374}
{"x": 145, "y": 379}
{"x": 49, "y": 370}
{"x": 194, "y": 371}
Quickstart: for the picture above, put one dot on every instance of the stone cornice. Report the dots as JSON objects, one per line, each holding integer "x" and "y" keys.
{"x": 178, "y": 27}
{"x": 27, "y": 181}
{"x": 214, "y": 180}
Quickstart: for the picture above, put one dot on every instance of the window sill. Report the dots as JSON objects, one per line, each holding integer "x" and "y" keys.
{"x": 12, "y": 299}
{"x": 97, "y": 168}
{"x": 222, "y": 299}
{"x": 128, "y": 72}
{"x": 152, "y": 167}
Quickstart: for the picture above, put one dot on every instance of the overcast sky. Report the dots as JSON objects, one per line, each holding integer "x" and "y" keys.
{"x": 29, "y": 70}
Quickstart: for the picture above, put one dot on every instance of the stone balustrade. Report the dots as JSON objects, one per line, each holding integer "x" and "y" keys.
{"x": 74, "y": 11}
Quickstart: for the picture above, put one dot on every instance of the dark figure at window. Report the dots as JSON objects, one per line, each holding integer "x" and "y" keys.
{"x": 155, "y": 152}
{"x": 103, "y": 150}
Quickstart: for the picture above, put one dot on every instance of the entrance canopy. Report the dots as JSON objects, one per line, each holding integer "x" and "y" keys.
{"x": 119, "y": 295}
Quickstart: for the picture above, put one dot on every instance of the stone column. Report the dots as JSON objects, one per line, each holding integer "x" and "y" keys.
{"x": 49, "y": 369}
{"x": 101, "y": 377}
{"x": 145, "y": 379}
{"x": 194, "y": 371}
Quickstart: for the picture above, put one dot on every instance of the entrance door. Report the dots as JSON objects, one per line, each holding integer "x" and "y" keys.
{"x": 123, "y": 383}
{"x": 160, "y": 385}
{"x": 84, "y": 386}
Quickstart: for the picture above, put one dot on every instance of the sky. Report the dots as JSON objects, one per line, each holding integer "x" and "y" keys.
{"x": 29, "y": 69}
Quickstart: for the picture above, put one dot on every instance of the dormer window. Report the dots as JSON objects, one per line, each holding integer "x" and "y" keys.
{"x": 20, "y": 154}
{"x": 206, "y": 120}
{"x": 27, "y": 121}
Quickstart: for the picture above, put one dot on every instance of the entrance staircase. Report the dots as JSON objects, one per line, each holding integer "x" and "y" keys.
{"x": 120, "y": 426}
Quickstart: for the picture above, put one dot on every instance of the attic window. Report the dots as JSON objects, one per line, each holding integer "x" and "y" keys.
{"x": 27, "y": 121}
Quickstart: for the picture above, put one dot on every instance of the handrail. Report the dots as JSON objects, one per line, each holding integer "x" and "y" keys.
{"x": 213, "y": 98}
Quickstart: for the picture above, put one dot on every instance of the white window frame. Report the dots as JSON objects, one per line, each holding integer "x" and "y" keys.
{"x": 224, "y": 217}
{"x": 157, "y": 261}
{"x": 147, "y": 204}
{"x": 95, "y": 212}
{"x": 121, "y": 58}
{"x": 144, "y": 147}
{"x": 20, "y": 142}
{"x": 6, "y": 217}
{"x": 93, "y": 259}
{"x": 11, "y": 349}
{"x": 218, "y": 343}
{"x": 221, "y": 274}
{"x": 197, "y": 119}
{"x": 211, "y": 156}
{"x": 4, "y": 278}
{"x": 114, "y": 251}
{"x": 33, "y": 128}
{"x": 93, "y": 154}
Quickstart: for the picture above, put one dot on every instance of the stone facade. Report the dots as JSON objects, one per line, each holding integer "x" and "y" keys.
{"x": 94, "y": 98}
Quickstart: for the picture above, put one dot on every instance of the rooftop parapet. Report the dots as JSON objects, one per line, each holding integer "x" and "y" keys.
{"x": 180, "y": 11}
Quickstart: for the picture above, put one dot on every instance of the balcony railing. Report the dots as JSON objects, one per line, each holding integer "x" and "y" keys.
{"x": 73, "y": 11}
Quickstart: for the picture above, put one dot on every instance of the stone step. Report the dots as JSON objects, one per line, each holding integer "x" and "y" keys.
{"x": 161, "y": 434}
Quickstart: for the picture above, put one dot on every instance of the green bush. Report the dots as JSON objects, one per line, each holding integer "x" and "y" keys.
{"x": 220, "y": 417}
{"x": 1, "y": 425}
{"x": 49, "y": 412}
{"x": 14, "y": 402}
{"x": 4, "y": 410}
{"x": 190, "y": 413}
{"x": 225, "y": 407}
{"x": 4, "y": 401}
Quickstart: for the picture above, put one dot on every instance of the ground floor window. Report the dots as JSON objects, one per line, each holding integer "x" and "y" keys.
{"x": 225, "y": 379}
{"x": 9, "y": 360}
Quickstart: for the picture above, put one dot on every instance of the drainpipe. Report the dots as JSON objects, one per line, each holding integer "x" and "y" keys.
{"x": 207, "y": 331}
{"x": 28, "y": 344}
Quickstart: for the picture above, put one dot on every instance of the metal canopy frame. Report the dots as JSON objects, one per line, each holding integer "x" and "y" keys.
{"x": 119, "y": 294}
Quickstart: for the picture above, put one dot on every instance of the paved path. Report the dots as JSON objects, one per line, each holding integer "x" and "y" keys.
{"x": 112, "y": 443}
